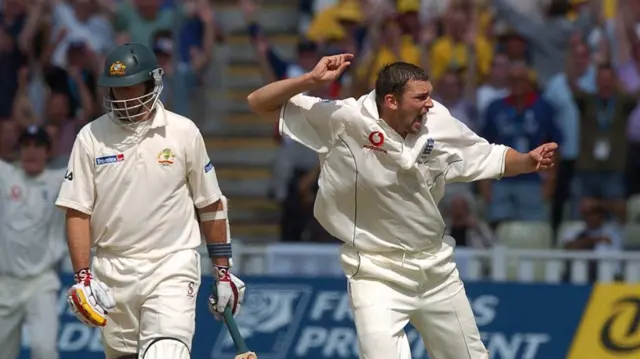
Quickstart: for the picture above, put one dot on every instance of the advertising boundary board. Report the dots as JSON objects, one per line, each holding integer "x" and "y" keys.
{"x": 291, "y": 318}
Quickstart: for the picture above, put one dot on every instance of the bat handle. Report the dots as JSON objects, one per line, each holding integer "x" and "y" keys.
{"x": 241, "y": 346}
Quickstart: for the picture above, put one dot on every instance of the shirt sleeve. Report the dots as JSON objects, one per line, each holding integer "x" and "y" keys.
{"x": 312, "y": 121}
{"x": 78, "y": 188}
{"x": 629, "y": 76}
{"x": 471, "y": 157}
{"x": 201, "y": 175}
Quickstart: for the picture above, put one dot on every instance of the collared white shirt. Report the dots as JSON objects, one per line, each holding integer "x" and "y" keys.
{"x": 141, "y": 200}
{"x": 32, "y": 238}
{"x": 378, "y": 191}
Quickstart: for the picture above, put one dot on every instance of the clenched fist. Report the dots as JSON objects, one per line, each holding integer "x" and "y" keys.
{"x": 330, "y": 68}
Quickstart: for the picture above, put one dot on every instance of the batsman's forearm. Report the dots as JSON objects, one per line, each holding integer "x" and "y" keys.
{"x": 215, "y": 232}
{"x": 272, "y": 96}
{"x": 515, "y": 163}
{"x": 79, "y": 239}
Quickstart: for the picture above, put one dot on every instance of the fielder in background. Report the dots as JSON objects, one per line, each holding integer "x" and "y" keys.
{"x": 31, "y": 247}
{"x": 140, "y": 188}
{"x": 385, "y": 160}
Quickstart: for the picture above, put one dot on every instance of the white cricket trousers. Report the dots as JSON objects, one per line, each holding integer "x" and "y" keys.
{"x": 154, "y": 299}
{"x": 389, "y": 290}
{"x": 32, "y": 302}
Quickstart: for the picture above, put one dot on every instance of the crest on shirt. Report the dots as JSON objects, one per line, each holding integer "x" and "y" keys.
{"x": 376, "y": 140}
{"x": 117, "y": 69}
{"x": 166, "y": 157}
{"x": 428, "y": 148}
{"x": 15, "y": 193}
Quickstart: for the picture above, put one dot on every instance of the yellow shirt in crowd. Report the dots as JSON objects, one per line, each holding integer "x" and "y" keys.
{"x": 445, "y": 54}
{"x": 409, "y": 52}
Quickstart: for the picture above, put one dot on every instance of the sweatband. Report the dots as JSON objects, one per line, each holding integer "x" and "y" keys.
{"x": 219, "y": 250}
{"x": 212, "y": 216}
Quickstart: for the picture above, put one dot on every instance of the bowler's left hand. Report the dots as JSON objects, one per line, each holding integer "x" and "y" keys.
{"x": 542, "y": 158}
{"x": 230, "y": 292}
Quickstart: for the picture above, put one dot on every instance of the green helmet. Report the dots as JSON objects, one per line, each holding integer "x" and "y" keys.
{"x": 128, "y": 65}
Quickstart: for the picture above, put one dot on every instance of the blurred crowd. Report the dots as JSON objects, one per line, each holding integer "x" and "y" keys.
{"x": 518, "y": 72}
{"x": 51, "y": 53}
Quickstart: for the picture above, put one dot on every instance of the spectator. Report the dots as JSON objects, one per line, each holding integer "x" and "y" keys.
{"x": 628, "y": 55}
{"x": 514, "y": 46}
{"x": 8, "y": 136}
{"x": 549, "y": 37}
{"x": 308, "y": 189}
{"x": 593, "y": 234}
{"x": 523, "y": 121}
{"x": 163, "y": 49}
{"x": 138, "y": 20}
{"x": 450, "y": 50}
{"x": 386, "y": 45}
{"x": 558, "y": 93}
{"x": 452, "y": 95}
{"x": 602, "y": 158}
{"x": 12, "y": 57}
{"x": 61, "y": 124}
{"x": 83, "y": 24}
{"x": 464, "y": 225}
{"x": 495, "y": 87}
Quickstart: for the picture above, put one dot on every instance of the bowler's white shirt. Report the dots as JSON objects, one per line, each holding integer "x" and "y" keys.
{"x": 32, "y": 238}
{"x": 378, "y": 191}
{"x": 141, "y": 202}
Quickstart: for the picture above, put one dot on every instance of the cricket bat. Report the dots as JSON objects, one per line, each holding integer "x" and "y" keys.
{"x": 242, "y": 352}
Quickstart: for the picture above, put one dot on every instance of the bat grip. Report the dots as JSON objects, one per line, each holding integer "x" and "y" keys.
{"x": 232, "y": 327}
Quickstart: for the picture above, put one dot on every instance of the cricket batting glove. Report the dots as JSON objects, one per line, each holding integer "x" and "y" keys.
{"x": 90, "y": 299}
{"x": 230, "y": 291}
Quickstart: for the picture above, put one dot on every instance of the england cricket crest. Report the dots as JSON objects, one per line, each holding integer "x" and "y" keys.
{"x": 428, "y": 148}
{"x": 268, "y": 321}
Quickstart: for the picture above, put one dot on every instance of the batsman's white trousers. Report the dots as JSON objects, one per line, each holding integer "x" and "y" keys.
{"x": 32, "y": 302}
{"x": 154, "y": 299}
{"x": 389, "y": 290}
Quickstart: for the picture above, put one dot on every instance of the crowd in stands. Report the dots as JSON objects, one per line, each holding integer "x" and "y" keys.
{"x": 51, "y": 54}
{"x": 517, "y": 72}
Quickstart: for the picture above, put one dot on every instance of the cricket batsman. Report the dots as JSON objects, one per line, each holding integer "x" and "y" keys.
{"x": 385, "y": 160}
{"x": 141, "y": 190}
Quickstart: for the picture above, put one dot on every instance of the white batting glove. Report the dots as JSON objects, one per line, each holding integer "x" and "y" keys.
{"x": 89, "y": 299}
{"x": 230, "y": 292}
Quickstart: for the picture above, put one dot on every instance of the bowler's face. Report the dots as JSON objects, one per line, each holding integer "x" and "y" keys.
{"x": 416, "y": 102}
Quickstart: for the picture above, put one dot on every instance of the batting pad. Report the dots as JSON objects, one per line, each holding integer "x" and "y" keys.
{"x": 167, "y": 348}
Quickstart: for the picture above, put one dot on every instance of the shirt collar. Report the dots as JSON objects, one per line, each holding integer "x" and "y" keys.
{"x": 370, "y": 109}
{"x": 160, "y": 117}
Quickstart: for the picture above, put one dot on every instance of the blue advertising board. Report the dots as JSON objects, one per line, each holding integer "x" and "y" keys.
{"x": 290, "y": 318}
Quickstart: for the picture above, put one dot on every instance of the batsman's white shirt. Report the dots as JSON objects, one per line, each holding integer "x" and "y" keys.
{"x": 141, "y": 200}
{"x": 378, "y": 191}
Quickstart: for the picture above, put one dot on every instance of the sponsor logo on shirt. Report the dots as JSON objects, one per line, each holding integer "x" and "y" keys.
{"x": 208, "y": 167}
{"x": 105, "y": 160}
{"x": 376, "y": 138}
{"x": 166, "y": 157}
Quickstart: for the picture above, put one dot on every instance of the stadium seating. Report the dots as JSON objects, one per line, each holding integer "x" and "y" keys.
{"x": 525, "y": 235}
{"x": 633, "y": 209}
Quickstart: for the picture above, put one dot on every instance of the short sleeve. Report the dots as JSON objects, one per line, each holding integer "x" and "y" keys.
{"x": 78, "y": 188}
{"x": 201, "y": 175}
{"x": 312, "y": 121}
{"x": 472, "y": 158}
